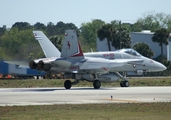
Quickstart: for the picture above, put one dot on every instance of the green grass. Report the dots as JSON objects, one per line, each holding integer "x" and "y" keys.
{"x": 134, "y": 111}
{"x": 59, "y": 83}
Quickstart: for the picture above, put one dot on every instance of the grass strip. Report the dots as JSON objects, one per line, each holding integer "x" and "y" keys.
{"x": 124, "y": 111}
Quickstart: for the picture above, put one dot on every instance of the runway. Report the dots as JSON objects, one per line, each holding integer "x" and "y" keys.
{"x": 82, "y": 95}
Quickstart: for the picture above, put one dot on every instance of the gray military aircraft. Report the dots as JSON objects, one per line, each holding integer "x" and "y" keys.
{"x": 94, "y": 67}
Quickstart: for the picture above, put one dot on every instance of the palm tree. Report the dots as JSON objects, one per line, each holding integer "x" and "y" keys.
{"x": 123, "y": 37}
{"x": 161, "y": 36}
{"x": 106, "y": 31}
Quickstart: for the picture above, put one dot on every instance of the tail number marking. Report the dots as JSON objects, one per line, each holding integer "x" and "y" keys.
{"x": 108, "y": 55}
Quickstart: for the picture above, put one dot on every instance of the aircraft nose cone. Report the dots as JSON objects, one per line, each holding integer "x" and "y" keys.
{"x": 162, "y": 67}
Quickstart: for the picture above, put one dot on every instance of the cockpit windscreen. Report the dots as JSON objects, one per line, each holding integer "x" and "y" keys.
{"x": 132, "y": 52}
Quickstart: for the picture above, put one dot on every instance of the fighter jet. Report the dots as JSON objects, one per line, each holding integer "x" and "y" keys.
{"x": 96, "y": 67}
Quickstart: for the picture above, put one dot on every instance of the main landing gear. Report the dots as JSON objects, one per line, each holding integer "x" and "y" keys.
{"x": 124, "y": 82}
{"x": 68, "y": 84}
{"x": 96, "y": 84}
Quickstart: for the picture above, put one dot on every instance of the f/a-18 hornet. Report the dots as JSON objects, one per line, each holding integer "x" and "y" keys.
{"x": 96, "y": 67}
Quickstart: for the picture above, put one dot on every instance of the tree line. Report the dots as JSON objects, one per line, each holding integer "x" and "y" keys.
{"x": 18, "y": 42}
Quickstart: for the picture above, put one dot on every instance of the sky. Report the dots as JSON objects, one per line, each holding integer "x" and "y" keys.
{"x": 78, "y": 11}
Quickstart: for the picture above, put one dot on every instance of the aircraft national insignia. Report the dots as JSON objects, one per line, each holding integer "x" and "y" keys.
{"x": 37, "y": 37}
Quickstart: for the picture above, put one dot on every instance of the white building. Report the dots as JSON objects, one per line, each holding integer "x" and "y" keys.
{"x": 139, "y": 37}
{"x": 146, "y": 37}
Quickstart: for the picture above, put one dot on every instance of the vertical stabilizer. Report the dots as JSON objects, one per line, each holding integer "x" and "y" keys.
{"x": 47, "y": 46}
{"x": 71, "y": 47}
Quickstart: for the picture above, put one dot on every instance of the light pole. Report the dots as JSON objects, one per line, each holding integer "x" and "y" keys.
{"x": 120, "y": 34}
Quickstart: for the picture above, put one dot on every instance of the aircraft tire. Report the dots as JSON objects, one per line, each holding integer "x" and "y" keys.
{"x": 121, "y": 84}
{"x": 124, "y": 83}
{"x": 67, "y": 84}
{"x": 96, "y": 84}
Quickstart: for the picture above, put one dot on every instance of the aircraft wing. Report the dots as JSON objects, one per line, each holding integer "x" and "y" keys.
{"x": 98, "y": 68}
{"x": 100, "y": 65}
{"x": 105, "y": 65}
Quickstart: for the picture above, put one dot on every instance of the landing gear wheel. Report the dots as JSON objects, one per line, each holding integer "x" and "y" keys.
{"x": 96, "y": 84}
{"x": 67, "y": 84}
{"x": 124, "y": 83}
{"x": 121, "y": 84}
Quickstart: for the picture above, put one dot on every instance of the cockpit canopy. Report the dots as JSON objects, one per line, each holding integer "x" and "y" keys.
{"x": 131, "y": 52}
